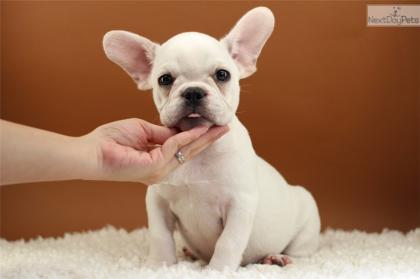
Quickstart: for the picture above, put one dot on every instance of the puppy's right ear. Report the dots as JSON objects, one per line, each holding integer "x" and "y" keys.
{"x": 133, "y": 53}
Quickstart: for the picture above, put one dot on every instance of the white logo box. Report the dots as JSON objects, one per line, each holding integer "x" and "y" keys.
{"x": 393, "y": 15}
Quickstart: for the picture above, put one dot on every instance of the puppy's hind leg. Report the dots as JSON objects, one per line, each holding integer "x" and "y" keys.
{"x": 306, "y": 240}
{"x": 276, "y": 259}
{"x": 188, "y": 254}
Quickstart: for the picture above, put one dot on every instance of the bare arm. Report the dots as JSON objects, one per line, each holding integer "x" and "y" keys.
{"x": 127, "y": 150}
{"x": 30, "y": 155}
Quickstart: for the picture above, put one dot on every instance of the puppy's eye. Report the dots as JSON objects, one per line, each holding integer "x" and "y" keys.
{"x": 222, "y": 75}
{"x": 165, "y": 80}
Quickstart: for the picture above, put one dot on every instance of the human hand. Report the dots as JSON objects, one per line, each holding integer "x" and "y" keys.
{"x": 137, "y": 151}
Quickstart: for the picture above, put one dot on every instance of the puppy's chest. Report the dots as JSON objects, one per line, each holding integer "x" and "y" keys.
{"x": 198, "y": 207}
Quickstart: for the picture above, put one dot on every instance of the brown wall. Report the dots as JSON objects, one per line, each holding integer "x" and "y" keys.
{"x": 334, "y": 106}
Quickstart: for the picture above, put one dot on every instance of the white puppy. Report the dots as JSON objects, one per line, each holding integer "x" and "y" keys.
{"x": 230, "y": 206}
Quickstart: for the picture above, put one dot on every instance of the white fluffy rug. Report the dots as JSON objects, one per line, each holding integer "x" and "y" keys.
{"x": 112, "y": 253}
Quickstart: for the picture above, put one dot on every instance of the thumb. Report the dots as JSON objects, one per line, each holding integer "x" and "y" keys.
{"x": 157, "y": 134}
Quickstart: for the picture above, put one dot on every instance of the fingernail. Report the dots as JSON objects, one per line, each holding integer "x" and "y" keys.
{"x": 201, "y": 130}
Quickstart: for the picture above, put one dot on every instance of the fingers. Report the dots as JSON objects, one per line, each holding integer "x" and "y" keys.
{"x": 175, "y": 143}
{"x": 190, "y": 143}
{"x": 195, "y": 147}
{"x": 157, "y": 134}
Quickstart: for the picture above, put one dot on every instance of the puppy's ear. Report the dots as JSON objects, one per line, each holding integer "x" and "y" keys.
{"x": 133, "y": 53}
{"x": 245, "y": 41}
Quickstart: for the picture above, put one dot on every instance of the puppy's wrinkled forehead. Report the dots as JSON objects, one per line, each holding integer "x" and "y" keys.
{"x": 191, "y": 55}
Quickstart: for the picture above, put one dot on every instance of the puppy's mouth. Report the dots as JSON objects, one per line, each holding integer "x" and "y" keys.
{"x": 192, "y": 120}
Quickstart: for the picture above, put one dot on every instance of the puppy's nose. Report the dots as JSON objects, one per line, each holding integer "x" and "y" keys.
{"x": 194, "y": 95}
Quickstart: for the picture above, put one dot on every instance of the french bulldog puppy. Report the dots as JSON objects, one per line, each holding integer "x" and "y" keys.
{"x": 230, "y": 206}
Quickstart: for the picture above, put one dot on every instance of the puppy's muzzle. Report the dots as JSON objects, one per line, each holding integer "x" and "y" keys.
{"x": 194, "y": 96}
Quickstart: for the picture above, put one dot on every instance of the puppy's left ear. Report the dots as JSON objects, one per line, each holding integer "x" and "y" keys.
{"x": 133, "y": 53}
{"x": 246, "y": 40}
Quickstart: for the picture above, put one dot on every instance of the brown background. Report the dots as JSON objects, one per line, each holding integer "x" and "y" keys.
{"x": 334, "y": 106}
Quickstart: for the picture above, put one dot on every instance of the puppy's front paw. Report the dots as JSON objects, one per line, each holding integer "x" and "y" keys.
{"x": 155, "y": 264}
{"x": 278, "y": 259}
{"x": 223, "y": 264}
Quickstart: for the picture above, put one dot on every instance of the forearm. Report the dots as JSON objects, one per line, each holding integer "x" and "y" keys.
{"x": 30, "y": 155}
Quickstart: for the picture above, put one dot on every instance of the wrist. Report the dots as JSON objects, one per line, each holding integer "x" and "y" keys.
{"x": 87, "y": 152}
